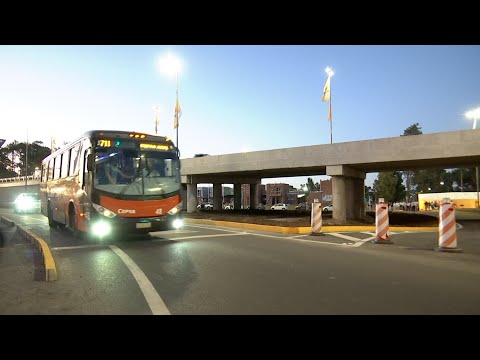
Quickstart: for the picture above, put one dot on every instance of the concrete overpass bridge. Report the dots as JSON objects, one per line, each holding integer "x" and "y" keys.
{"x": 347, "y": 163}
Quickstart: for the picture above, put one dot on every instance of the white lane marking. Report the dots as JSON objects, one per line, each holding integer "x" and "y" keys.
{"x": 296, "y": 238}
{"x": 94, "y": 245}
{"x": 155, "y": 302}
{"x": 29, "y": 218}
{"x": 78, "y": 247}
{"x": 203, "y": 236}
{"x": 459, "y": 226}
{"x": 217, "y": 229}
{"x": 170, "y": 232}
{"x": 347, "y": 237}
{"x": 368, "y": 233}
{"x": 361, "y": 242}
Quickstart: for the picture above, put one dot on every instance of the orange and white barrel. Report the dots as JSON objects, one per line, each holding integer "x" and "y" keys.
{"x": 381, "y": 223}
{"x": 447, "y": 232}
{"x": 316, "y": 220}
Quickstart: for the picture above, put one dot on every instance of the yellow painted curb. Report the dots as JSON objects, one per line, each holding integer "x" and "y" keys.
{"x": 48, "y": 262}
{"x": 304, "y": 229}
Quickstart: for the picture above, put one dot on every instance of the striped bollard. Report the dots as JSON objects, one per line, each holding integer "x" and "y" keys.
{"x": 447, "y": 232}
{"x": 381, "y": 223}
{"x": 316, "y": 220}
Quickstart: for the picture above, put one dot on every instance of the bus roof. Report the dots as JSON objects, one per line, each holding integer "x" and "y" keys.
{"x": 109, "y": 133}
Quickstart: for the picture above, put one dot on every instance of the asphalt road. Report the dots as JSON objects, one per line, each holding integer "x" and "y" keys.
{"x": 212, "y": 270}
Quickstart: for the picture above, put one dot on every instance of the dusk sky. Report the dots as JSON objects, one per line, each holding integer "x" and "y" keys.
{"x": 237, "y": 98}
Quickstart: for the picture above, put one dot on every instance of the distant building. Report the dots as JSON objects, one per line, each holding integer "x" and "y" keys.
{"x": 205, "y": 194}
{"x": 276, "y": 194}
{"x": 246, "y": 195}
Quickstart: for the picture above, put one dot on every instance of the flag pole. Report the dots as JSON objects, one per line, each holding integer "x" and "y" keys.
{"x": 330, "y": 115}
{"x": 176, "y": 75}
{"x": 327, "y": 96}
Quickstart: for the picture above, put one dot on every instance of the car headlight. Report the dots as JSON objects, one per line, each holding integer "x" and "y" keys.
{"x": 103, "y": 211}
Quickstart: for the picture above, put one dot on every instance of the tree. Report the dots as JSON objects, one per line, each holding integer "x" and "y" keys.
{"x": 312, "y": 186}
{"x": 389, "y": 186}
{"x": 369, "y": 194}
{"x": 414, "y": 129}
{"x": 13, "y": 158}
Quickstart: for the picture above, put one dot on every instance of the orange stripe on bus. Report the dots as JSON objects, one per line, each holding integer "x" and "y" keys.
{"x": 139, "y": 208}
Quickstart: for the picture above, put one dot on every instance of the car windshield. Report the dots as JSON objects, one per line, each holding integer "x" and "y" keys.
{"x": 133, "y": 172}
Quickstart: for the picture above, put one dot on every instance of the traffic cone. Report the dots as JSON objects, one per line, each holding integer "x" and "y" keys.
{"x": 316, "y": 220}
{"x": 447, "y": 228}
{"x": 381, "y": 223}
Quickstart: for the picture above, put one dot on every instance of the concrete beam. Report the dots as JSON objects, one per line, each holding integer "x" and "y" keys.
{"x": 220, "y": 179}
{"x": 342, "y": 170}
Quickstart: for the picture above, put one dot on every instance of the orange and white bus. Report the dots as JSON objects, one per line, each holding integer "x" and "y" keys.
{"x": 108, "y": 182}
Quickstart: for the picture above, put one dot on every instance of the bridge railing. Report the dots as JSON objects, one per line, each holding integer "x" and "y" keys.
{"x": 19, "y": 178}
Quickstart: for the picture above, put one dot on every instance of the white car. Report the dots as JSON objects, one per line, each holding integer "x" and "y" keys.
{"x": 279, "y": 206}
{"x": 327, "y": 209}
{"x": 205, "y": 207}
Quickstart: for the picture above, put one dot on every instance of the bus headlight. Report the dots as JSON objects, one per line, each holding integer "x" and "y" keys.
{"x": 103, "y": 211}
{"x": 101, "y": 228}
{"x": 177, "y": 223}
{"x": 176, "y": 209}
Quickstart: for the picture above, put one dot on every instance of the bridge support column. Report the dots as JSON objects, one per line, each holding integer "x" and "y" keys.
{"x": 348, "y": 189}
{"x": 217, "y": 196}
{"x": 253, "y": 196}
{"x": 191, "y": 198}
{"x": 183, "y": 194}
{"x": 359, "y": 197}
{"x": 237, "y": 196}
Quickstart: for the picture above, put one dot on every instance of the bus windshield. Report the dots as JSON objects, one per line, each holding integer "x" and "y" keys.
{"x": 136, "y": 172}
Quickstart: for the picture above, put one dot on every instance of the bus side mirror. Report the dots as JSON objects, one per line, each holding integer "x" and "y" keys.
{"x": 89, "y": 162}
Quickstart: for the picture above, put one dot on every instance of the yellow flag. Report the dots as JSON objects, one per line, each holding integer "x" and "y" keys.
{"x": 178, "y": 113}
{"x": 326, "y": 90}
{"x": 156, "y": 124}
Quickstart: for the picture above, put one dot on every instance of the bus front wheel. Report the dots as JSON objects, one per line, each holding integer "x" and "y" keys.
{"x": 72, "y": 223}
{"x": 52, "y": 223}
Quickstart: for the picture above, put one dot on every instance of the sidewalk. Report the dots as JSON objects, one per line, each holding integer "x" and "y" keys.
{"x": 21, "y": 273}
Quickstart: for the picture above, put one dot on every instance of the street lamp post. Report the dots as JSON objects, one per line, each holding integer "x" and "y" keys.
{"x": 26, "y": 164}
{"x": 475, "y": 114}
{"x": 305, "y": 189}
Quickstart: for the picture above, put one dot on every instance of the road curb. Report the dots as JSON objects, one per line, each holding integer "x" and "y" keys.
{"x": 48, "y": 262}
{"x": 304, "y": 229}
{"x": 7, "y": 221}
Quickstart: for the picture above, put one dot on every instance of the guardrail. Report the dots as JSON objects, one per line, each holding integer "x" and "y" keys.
{"x": 19, "y": 178}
